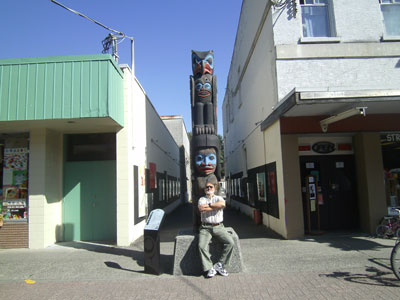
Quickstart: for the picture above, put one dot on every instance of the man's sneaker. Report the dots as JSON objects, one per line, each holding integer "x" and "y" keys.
{"x": 211, "y": 273}
{"x": 219, "y": 267}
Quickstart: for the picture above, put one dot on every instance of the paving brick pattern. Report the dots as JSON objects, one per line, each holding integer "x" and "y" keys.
{"x": 330, "y": 266}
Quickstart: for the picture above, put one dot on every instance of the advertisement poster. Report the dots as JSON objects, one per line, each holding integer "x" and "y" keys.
{"x": 142, "y": 192}
{"x": 272, "y": 190}
{"x": 272, "y": 182}
{"x": 152, "y": 175}
{"x": 261, "y": 187}
{"x": 20, "y": 177}
{"x": 312, "y": 191}
{"x": 15, "y": 183}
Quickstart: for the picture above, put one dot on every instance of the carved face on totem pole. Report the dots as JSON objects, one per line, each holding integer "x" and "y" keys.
{"x": 203, "y": 88}
{"x": 205, "y": 161}
{"x": 202, "y": 63}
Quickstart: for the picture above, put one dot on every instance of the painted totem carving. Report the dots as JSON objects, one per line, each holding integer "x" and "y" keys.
{"x": 205, "y": 143}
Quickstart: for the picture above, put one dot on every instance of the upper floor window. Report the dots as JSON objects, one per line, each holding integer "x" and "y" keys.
{"x": 391, "y": 16}
{"x": 315, "y": 17}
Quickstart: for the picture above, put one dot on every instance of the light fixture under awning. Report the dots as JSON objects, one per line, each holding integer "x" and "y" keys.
{"x": 341, "y": 116}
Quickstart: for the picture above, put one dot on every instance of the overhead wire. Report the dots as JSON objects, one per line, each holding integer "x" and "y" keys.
{"x": 88, "y": 18}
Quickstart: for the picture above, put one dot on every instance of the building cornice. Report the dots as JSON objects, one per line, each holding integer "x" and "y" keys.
{"x": 337, "y": 50}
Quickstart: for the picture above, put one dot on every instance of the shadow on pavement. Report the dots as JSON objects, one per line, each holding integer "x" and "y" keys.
{"x": 117, "y": 266}
{"x": 108, "y": 249}
{"x": 346, "y": 241}
{"x": 166, "y": 261}
{"x": 372, "y": 276}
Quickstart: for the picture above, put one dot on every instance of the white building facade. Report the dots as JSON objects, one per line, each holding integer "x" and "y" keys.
{"x": 148, "y": 166}
{"x": 310, "y": 113}
{"x": 177, "y": 128}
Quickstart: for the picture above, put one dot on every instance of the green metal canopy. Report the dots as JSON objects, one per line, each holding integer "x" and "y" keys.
{"x": 65, "y": 87}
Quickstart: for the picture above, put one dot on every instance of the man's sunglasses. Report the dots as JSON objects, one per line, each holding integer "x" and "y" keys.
{"x": 209, "y": 187}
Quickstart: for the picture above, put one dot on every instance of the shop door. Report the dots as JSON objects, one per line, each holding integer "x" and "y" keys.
{"x": 336, "y": 197}
{"x": 89, "y": 204}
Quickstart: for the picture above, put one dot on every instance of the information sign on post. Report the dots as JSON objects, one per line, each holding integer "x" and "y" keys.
{"x": 152, "y": 242}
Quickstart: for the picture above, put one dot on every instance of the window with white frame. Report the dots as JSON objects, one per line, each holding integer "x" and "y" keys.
{"x": 315, "y": 16}
{"x": 391, "y": 16}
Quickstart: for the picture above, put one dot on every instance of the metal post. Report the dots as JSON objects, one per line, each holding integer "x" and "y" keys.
{"x": 133, "y": 56}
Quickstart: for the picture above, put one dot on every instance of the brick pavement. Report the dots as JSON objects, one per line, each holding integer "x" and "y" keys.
{"x": 332, "y": 266}
{"x": 236, "y": 286}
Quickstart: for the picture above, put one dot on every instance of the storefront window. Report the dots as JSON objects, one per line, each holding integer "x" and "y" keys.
{"x": 13, "y": 178}
{"x": 391, "y": 161}
{"x": 91, "y": 147}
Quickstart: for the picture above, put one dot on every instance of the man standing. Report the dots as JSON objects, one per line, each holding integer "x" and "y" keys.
{"x": 211, "y": 211}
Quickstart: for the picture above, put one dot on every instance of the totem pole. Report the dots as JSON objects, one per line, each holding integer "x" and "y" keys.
{"x": 205, "y": 142}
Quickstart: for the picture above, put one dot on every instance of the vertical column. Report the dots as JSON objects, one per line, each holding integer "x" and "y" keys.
{"x": 370, "y": 180}
{"x": 292, "y": 186}
{"x": 124, "y": 168}
{"x": 45, "y": 188}
{"x": 37, "y": 191}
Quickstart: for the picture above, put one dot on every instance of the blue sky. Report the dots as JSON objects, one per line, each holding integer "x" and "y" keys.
{"x": 165, "y": 32}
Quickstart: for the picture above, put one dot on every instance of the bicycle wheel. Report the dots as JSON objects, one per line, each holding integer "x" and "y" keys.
{"x": 395, "y": 260}
{"x": 381, "y": 231}
{"x": 397, "y": 235}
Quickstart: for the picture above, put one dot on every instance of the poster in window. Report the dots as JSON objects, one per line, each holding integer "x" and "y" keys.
{"x": 15, "y": 166}
{"x": 250, "y": 193}
{"x": 10, "y": 192}
{"x": 152, "y": 175}
{"x": 261, "y": 187}
{"x": 142, "y": 192}
{"x": 272, "y": 190}
{"x": 15, "y": 159}
{"x": 20, "y": 177}
{"x": 312, "y": 191}
{"x": 271, "y": 183}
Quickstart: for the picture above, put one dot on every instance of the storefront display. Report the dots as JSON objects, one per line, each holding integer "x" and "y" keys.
{"x": 392, "y": 181}
{"x": 391, "y": 161}
{"x": 14, "y": 192}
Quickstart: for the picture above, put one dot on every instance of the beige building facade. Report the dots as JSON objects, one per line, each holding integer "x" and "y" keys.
{"x": 310, "y": 114}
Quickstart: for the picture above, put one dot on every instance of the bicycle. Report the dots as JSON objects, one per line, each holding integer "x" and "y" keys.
{"x": 395, "y": 259}
{"x": 395, "y": 255}
{"x": 388, "y": 227}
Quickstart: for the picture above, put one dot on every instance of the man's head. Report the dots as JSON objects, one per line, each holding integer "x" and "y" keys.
{"x": 211, "y": 186}
{"x": 209, "y": 189}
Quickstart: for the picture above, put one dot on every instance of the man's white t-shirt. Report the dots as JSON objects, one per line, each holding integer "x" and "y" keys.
{"x": 214, "y": 216}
